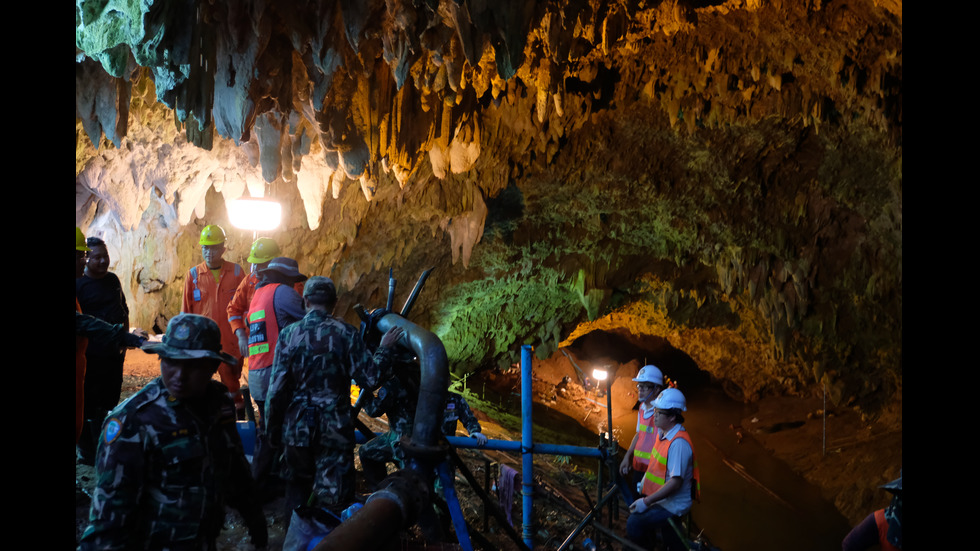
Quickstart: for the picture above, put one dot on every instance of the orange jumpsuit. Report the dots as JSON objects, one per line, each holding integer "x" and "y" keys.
{"x": 204, "y": 296}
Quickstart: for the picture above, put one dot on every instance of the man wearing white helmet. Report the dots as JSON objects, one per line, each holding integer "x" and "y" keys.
{"x": 672, "y": 481}
{"x": 649, "y": 382}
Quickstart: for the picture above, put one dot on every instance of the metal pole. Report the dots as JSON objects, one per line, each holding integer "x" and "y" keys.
{"x": 452, "y": 500}
{"x": 588, "y": 518}
{"x": 527, "y": 458}
{"x": 518, "y": 447}
{"x": 825, "y": 418}
{"x": 611, "y": 453}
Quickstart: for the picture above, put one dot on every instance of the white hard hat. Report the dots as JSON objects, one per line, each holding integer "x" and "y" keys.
{"x": 670, "y": 398}
{"x": 650, "y": 374}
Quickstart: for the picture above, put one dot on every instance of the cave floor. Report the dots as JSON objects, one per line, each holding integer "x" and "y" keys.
{"x": 860, "y": 453}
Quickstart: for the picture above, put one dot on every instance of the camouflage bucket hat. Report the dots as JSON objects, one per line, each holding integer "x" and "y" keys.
{"x": 190, "y": 336}
{"x": 321, "y": 288}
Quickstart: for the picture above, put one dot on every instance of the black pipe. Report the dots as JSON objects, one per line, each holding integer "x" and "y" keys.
{"x": 585, "y": 521}
{"x": 410, "y": 301}
{"x": 376, "y": 525}
{"x": 391, "y": 290}
{"x": 434, "y": 368}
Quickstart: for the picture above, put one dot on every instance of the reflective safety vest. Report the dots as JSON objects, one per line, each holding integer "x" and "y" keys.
{"x": 263, "y": 328}
{"x": 656, "y": 475}
{"x": 646, "y": 438}
{"x": 882, "y": 525}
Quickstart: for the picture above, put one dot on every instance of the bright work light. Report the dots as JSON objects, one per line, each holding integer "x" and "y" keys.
{"x": 249, "y": 213}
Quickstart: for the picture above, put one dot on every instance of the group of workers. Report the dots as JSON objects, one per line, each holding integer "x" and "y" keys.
{"x": 660, "y": 463}
{"x": 170, "y": 458}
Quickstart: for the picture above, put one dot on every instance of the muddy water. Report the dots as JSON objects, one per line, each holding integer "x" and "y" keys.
{"x": 750, "y": 500}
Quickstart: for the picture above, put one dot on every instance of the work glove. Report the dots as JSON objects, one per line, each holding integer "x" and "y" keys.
{"x": 242, "y": 343}
{"x": 638, "y": 506}
{"x": 480, "y": 438}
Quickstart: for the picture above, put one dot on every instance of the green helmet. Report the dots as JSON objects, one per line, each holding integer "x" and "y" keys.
{"x": 263, "y": 250}
{"x": 212, "y": 234}
{"x": 80, "y": 240}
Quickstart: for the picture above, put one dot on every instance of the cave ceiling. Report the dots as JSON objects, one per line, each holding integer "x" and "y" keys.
{"x": 723, "y": 174}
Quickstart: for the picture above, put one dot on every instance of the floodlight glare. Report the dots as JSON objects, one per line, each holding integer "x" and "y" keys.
{"x": 599, "y": 374}
{"x": 249, "y": 213}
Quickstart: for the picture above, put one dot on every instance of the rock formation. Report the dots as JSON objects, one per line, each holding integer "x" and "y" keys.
{"x": 725, "y": 175}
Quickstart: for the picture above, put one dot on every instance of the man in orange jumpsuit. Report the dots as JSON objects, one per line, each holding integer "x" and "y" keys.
{"x": 208, "y": 288}
{"x": 263, "y": 251}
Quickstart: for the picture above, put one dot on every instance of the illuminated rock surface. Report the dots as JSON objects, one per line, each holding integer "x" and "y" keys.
{"x": 727, "y": 176}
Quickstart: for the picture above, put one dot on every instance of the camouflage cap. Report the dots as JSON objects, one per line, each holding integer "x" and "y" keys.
{"x": 320, "y": 289}
{"x": 190, "y": 336}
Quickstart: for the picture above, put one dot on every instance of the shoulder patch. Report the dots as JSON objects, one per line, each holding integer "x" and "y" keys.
{"x": 112, "y": 429}
{"x": 451, "y": 405}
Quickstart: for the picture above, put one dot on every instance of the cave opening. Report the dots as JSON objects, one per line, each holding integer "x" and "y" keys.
{"x": 627, "y": 352}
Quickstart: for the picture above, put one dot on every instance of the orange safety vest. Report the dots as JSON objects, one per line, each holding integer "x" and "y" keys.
{"x": 263, "y": 328}
{"x": 656, "y": 475}
{"x": 646, "y": 438}
{"x": 882, "y": 524}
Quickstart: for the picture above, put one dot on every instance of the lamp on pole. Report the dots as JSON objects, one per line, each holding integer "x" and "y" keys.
{"x": 603, "y": 374}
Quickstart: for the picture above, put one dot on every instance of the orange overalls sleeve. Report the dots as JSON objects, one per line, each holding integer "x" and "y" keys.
{"x": 238, "y": 306}
{"x": 185, "y": 305}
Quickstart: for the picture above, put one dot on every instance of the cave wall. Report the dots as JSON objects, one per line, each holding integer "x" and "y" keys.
{"x": 725, "y": 175}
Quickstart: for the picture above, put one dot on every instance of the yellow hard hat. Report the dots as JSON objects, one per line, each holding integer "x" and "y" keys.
{"x": 263, "y": 250}
{"x": 212, "y": 234}
{"x": 80, "y": 240}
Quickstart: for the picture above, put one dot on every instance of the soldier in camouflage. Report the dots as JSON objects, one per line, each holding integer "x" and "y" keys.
{"x": 457, "y": 410}
{"x": 308, "y": 402}
{"x": 170, "y": 457}
{"x": 397, "y": 398}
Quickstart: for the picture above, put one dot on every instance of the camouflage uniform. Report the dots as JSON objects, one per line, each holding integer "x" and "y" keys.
{"x": 164, "y": 470}
{"x": 308, "y": 402}
{"x": 458, "y": 410}
{"x": 166, "y": 466}
{"x": 397, "y": 398}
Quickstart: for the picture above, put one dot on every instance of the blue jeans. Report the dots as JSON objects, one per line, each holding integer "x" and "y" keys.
{"x": 642, "y": 528}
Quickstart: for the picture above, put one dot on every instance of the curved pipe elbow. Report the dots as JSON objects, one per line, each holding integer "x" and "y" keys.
{"x": 434, "y": 366}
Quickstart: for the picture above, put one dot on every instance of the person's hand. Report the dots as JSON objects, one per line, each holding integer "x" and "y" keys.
{"x": 624, "y": 467}
{"x": 480, "y": 438}
{"x": 638, "y": 506}
{"x": 391, "y": 337}
{"x": 132, "y": 340}
{"x": 242, "y": 342}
